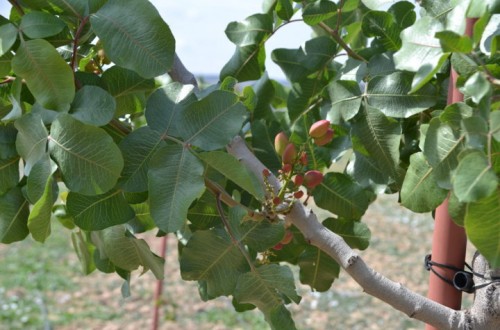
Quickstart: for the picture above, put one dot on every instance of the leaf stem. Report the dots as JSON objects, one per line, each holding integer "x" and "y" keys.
{"x": 18, "y": 7}
{"x": 76, "y": 40}
{"x": 336, "y": 36}
{"x": 231, "y": 233}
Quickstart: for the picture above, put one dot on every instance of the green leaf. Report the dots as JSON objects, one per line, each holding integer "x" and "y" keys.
{"x": 100, "y": 211}
{"x": 8, "y": 36}
{"x": 9, "y": 174}
{"x": 477, "y": 87}
{"x": 204, "y": 214}
{"x": 495, "y": 124}
{"x": 454, "y": 42}
{"x": 232, "y": 169}
{"x": 247, "y": 63}
{"x": 40, "y": 216}
{"x": 93, "y": 105}
{"x": 38, "y": 177}
{"x": 257, "y": 235}
{"x": 48, "y": 77}
{"x": 128, "y": 88}
{"x": 456, "y": 209}
{"x": 441, "y": 149}
{"x": 390, "y": 94}
{"x": 474, "y": 178}
{"x": 211, "y": 258}
{"x": 483, "y": 228}
{"x": 356, "y": 234}
{"x": 175, "y": 181}
{"x": 165, "y": 104}
{"x": 284, "y": 9}
{"x": 5, "y": 64}
{"x": 382, "y": 25}
{"x": 264, "y": 288}
{"x": 31, "y": 140}
{"x": 8, "y": 134}
{"x": 318, "y": 11}
{"x": 128, "y": 253}
{"x": 420, "y": 191}
{"x": 138, "y": 148}
{"x": 317, "y": 269}
{"x": 84, "y": 251}
{"x": 212, "y": 122}
{"x": 252, "y": 31}
{"x": 89, "y": 160}
{"x": 14, "y": 211}
{"x": 263, "y": 143}
{"x": 381, "y": 137}
{"x": 421, "y": 52}
{"x": 142, "y": 42}
{"x": 340, "y": 195}
{"x": 69, "y": 7}
{"x": 346, "y": 98}
{"x": 37, "y": 24}
{"x": 403, "y": 13}
{"x": 476, "y": 132}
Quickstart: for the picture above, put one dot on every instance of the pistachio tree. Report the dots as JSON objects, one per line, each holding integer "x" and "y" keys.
{"x": 104, "y": 130}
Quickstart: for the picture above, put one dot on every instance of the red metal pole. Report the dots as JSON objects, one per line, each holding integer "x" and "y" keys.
{"x": 449, "y": 240}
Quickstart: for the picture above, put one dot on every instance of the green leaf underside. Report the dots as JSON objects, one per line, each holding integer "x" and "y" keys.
{"x": 142, "y": 42}
{"x": 233, "y": 170}
{"x": 93, "y": 105}
{"x": 317, "y": 269}
{"x": 37, "y": 24}
{"x": 483, "y": 228}
{"x": 212, "y": 122}
{"x": 31, "y": 140}
{"x": 40, "y": 216}
{"x": 47, "y": 75}
{"x": 381, "y": 137}
{"x": 341, "y": 195}
{"x": 14, "y": 211}
{"x": 264, "y": 288}
{"x": 211, "y": 257}
{"x": 100, "y": 211}
{"x": 175, "y": 180}
{"x": 87, "y": 170}
{"x": 128, "y": 253}
{"x": 356, "y": 234}
{"x": 138, "y": 148}
{"x": 420, "y": 191}
{"x": 251, "y": 31}
{"x": 9, "y": 174}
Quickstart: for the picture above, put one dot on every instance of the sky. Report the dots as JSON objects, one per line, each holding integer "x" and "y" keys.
{"x": 198, "y": 27}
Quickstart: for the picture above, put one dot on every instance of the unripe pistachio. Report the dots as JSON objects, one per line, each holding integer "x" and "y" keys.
{"x": 298, "y": 194}
{"x": 289, "y": 154}
{"x": 266, "y": 173}
{"x": 287, "y": 168}
{"x": 319, "y": 128}
{"x": 287, "y": 238}
{"x": 278, "y": 247}
{"x": 280, "y": 142}
{"x": 303, "y": 158}
{"x": 297, "y": 181}
{"x": 312, "y": 179}
{"x": 327, "y": 138}
{"x": 276, "y": 200}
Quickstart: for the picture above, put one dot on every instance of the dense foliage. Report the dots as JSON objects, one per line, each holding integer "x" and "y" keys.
{"x": 89, "y": 136}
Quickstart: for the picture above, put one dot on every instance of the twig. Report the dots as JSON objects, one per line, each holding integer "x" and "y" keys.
{"x": 373, "y": 283}
{"x": 231, "y": 234}
{"x": 76, "y": 40}
{"x": 335, "y": 35}
{"x": 18, "y": 7}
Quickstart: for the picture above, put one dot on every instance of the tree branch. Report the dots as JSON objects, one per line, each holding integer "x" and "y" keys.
{"x": 373, "y": 283}
{"x": 335, "y": 35}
